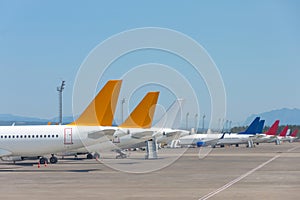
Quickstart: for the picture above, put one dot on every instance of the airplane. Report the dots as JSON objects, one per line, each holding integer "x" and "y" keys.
{"x": 282, "y": 135}
{"x": 166, "y": 129}
{"x": 267, "y": 137}
{"x": 133, "y": 131}
{"x": 211, "y": 139}
{"x": 291, "y": 137}
{"x": 33, "y": 142}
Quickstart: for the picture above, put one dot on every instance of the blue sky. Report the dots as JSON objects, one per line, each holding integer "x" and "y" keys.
{"x": 255, "y": 45}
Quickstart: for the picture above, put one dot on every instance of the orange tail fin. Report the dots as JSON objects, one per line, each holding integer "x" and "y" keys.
{"x": 100, "y": 112}
{"x": 142, "y": 115}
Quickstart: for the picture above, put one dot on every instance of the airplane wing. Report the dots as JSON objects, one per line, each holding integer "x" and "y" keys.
{"x": 98, "y": 134}
{"x": 4, "y": 152}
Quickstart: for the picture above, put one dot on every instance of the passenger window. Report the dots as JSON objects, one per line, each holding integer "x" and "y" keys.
{"x": 5, "y": 136}
{"x": 9, "y": 136}
{"x": 48, "y": 136}
{"x": 32, "y": 136}
{"x": 24, "y": 136}
{"x": 45, "y": 136}
{"x": 57, "y": 136}
{"x": 37, "y": 136}
{"x": 13, "y": 136}
{"x": 1, "y": 136}
{"x": 17, "y": 136}
{"x": 53, "y": 136}
{"x": 28, "y": 136}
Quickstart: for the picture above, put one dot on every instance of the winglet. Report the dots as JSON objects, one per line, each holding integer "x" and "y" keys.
{"x": 142, "y": 115}
{"x": 100, "y": 111}
{"x": 273, "y": 129}
{"x": 284, "y": 131}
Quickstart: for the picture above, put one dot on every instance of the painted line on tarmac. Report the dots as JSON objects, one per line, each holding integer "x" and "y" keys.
{"x": 209, "y": 195}
{"x": 292, "y": 149}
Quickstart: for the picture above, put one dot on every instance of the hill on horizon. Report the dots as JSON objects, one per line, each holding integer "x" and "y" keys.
{"x": 6, "y": 119}
{"x": 285, "y": 115}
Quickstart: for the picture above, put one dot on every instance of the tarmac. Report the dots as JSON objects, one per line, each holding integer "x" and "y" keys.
{"x": 267, "y": 171}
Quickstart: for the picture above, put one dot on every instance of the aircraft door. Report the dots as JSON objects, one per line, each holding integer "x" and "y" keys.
{"x": 68, "y": 139}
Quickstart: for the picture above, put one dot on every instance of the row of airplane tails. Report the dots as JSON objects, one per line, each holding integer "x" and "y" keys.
{"x": 92, "y": 132}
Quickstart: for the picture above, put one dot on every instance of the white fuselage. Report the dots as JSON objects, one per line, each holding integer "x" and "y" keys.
{"x": 29, "y": 141}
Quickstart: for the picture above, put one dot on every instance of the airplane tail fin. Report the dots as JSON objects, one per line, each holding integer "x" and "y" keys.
{"x": 142, "y": 115}
{"x": 260, "y": 126}
{"x": 284, "y": 131}
{"x": 253, "y": 127}
{"x": 273, "y": 129}
{"x": 294, "y": 133}
{"x": 100, "y": 111}
{"x": 171, "y": 118}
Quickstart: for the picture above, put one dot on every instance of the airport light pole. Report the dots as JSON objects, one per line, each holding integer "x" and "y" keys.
{"x": 60, "y": 91}
{"x": 196, "y": 122}
{"x": 122, "y": 111}
{"x": 187, "y": 120}
{"x": 203, "y": 122}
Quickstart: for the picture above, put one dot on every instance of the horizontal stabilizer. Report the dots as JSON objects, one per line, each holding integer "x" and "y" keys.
{"x": 98, "y": 134}
{"x": 142, "y": 135}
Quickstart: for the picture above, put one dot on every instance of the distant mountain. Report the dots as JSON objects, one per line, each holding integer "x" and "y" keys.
{"x": 285, "y": 115}
{"x": 16, "y": 118}
{"x": 6, "y": 119}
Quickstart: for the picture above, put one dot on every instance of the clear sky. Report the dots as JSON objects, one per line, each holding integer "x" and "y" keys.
{"x": 255, "y": 45}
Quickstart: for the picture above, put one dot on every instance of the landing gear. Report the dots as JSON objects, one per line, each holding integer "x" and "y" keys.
{"x": 121, "y": 154}
{"x": 96, "y": 156}
{"x": 90, "y": 156}
{"x": 43, "y": 160}
{"x": 53, "y": 159}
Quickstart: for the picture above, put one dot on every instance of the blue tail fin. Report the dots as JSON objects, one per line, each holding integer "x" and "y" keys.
{"x": 260, "y": 126}
{"x": 253, "y": 127}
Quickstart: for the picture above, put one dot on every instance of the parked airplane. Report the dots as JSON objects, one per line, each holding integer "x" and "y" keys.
{"x": 20, "y": 142}
{"x": 267, "y": 137}
{"x": 291, "y": 137}
{"x": 282, "y": 135}
{"x": 133, "y": 131}
{"x": 213, "y": 140}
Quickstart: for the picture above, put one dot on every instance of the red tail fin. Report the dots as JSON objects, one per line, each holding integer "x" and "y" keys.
{"x": 294, "y": 133}
{"x": 273, "y": 129}
{"x": 284, "y": 131}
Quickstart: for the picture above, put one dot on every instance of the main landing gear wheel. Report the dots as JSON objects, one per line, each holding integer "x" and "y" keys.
{"x": 96, "y": 156}
{"x": 90, "y": 156}
{"x": 53, "y": 160}
{"x": 43, "y": 160}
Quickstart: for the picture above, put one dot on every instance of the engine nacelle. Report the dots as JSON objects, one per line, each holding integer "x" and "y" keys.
{"x": 200, "y": 143}
{"x": 12, "y": 158}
